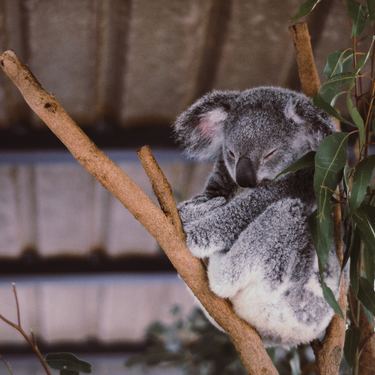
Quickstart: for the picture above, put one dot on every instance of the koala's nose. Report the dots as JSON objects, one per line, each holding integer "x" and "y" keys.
{"x": 245, "y": 173}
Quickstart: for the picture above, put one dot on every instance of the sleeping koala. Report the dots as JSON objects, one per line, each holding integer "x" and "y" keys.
{"x": 252, "y": 227}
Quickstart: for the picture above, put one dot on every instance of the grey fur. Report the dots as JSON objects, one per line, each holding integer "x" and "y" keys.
{"x": 257, "y": 239}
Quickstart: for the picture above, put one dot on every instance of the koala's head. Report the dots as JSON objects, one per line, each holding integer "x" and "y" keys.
{"x": 257, "y": 132}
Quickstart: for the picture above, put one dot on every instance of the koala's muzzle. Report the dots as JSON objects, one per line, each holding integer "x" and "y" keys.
{"x": 245, "y": 173}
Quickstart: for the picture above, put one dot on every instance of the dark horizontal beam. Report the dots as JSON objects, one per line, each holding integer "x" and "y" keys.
{"x": 30, "y": 264}
{"x": 85, "y": 347}
{"x": 24, "y": 138}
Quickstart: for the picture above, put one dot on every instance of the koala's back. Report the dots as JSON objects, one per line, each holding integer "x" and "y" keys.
{"x": 279, "y": 292}
{"x": 290, "y": 313}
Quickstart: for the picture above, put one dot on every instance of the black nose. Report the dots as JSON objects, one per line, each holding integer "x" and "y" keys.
{"x": 245, "y": 173}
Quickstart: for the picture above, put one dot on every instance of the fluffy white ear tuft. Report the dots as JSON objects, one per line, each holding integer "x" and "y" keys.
{"x": 291, "y": 113}
{"x": 209, "y": 124}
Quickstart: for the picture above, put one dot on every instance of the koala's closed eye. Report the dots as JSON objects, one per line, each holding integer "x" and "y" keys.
{"x": 231, "y": 154}
{"x": 270, "y": 153}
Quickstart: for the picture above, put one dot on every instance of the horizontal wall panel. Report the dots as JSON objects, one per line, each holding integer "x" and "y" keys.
{"x": 109, "y": 308}
{"x": 164, "y": 52}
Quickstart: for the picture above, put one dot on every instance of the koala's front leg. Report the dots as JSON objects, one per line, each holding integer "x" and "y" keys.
{"x": 218, "y": 190}
{"x": 198, "y": 207}
{"x": 218, "y": 230}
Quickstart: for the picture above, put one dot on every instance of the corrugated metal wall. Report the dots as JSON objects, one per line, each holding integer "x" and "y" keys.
{"x": 142, "y": 61}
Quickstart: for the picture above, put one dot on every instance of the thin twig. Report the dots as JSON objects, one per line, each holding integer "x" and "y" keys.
{"x": 6, "y": 364}
{"x": 17, "y": 304}
{"x": 246, "y": 340}
{"x": 29, "y": 339}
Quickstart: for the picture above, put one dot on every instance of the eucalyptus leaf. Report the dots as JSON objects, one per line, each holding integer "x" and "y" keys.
{"x": 357, "y": 118}
{"x": 338, "y": 62}
{"x": 361, "y": 180}
{"x": 346, "y": 178}
{"x": 371, "y": 9}
{"x": 69, "y": 372}
{"x": 305, "y": 8}
{"x": 366, "y": 294}
{"x": 330, "y": 298}
{"x": 322, "y": 235}
{"x": 362, "y": 62}
{"x": 321, "y": 103}
{"x": 359, "y": 15}
{"x": 369, "y": 264}
{"x": 351, "y": 344}
{"x": 295, "y": 363}
{"x": 330, "y": 160}
{"x": 355, "y": 251}
{"x": 364, "y": 217}
{"x": 306, "y": 161}
{"x": 341, "y": 82}
{"x": 67, "y": 362}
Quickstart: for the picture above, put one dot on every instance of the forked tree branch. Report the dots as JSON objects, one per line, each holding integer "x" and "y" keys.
{"x": 328, "y": 353}
{"x": 245, "y": 339}
{"x": 30, "y": 339}
{"x": 161, "y": 188}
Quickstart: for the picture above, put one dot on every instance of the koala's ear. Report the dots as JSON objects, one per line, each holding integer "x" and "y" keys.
{"x": 315, "y": 123}
{"x": 200, "y": 127}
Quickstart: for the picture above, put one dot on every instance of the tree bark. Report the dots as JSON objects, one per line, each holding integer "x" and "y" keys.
{"x": 245, "y": 339}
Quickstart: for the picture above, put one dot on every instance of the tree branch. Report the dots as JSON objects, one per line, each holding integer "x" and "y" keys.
{"x": 308, "y": 74}
{"x": 161, "y": 188}
{"x": 245, "y": 338}
{"x": 328, "y": 353}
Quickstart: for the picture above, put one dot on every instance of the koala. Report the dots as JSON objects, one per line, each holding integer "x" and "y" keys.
{"x": 251, "y": 226}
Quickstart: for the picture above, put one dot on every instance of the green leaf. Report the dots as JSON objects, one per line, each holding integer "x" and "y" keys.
{"x": 295, "y": 364}
{"x": 304, "y": 9}
{"x": 69, "y": 372}
{"x": 366, "y": 294}
{"x": 355, "y": 251}
{"x": 361, "y": 180}
{"x": 337, "y": 84}
{"x": 67, "y": 362}
{"x": 330, "y": 160}
{"x": 339, "y": 62}
{"x": 362, "y": 62}
{"x": 364, "y": 217}
{"x": 359, "y": 15}
{"x": 321, "y": 103}
{"x": 306, "y": 161}
{"x": 357, "y": 118}
{"x": 351, "y": 344}
{"x": 371, "y": 9}
{"x": 330, "y": 298}
{"x": 369, "y": 264}
{"x": 322, "y": 235}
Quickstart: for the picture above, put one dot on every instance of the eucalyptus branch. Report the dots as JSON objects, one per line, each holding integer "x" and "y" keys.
{"x": 29, "y": 339}
{"x": 245, "y": 339}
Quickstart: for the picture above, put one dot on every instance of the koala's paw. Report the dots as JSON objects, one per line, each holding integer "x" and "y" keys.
{"x": 201, "y": 242}
{"x": 198, "y": 207}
